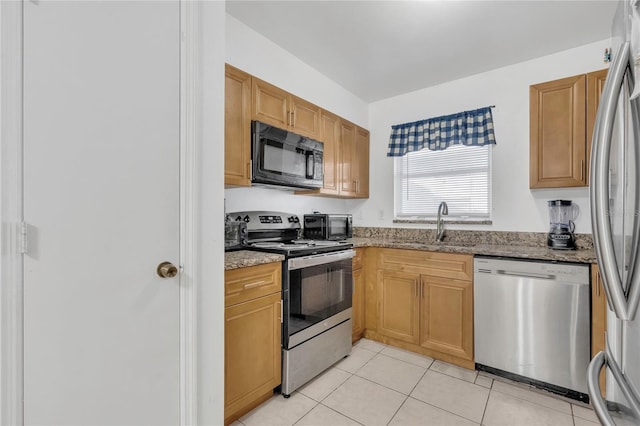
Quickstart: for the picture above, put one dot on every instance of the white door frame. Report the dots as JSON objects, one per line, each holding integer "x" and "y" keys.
{"x": 11, "y": 212}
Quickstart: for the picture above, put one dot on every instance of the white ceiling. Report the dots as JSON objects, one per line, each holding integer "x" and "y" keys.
{"x": 380, "y": 49}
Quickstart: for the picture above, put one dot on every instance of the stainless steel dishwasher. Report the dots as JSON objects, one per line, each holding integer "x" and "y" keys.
{"x": 531, "y": 323}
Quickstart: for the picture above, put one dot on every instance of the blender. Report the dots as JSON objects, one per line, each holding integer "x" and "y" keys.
{"x": 562, "y": 213}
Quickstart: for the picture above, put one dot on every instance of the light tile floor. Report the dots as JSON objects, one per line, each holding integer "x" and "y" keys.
{"x": 382, "y": 385}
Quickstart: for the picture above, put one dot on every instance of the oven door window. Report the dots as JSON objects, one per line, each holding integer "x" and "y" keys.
{"x": 318, "y": 292}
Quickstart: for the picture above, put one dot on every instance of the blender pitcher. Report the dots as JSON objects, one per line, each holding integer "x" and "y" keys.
{"x": 562, "y": 213}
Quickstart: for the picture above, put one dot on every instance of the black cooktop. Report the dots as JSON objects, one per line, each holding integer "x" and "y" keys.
{"x": 298, "y": 248}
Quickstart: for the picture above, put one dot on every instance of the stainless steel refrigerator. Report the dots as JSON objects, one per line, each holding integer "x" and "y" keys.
{"x": 615, "y": 216}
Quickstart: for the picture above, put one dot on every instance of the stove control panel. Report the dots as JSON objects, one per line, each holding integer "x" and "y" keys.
{"x": 270, "y": 219}
{"x": 267, "y": 220}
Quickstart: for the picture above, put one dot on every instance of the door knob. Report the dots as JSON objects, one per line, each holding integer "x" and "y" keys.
{"x": 167, "y": 270}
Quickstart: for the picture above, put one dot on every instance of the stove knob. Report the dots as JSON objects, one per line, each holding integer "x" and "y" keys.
{"x": 291, "y": 219}
{"x": 296, "y": 219}
{"x": 246, "y": 218}
{"x": 239, "y": 218}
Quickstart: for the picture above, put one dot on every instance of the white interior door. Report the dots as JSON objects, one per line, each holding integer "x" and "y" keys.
{"x": 101, "y": 197}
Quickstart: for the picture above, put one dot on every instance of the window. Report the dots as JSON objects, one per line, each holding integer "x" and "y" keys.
{"x": 459, "y": 175}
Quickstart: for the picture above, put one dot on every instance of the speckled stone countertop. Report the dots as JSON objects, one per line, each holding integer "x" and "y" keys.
{"x": 522, "y": 245}
{"x": 244, "y": 258}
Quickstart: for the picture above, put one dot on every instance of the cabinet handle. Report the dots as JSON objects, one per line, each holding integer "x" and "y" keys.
{"x": 581, "y": 169}
{"x": 256, "y": 284}
{"x": 288, "y": 118}
{"x": 281, "y": 313}
{"x": 293, "y": 119}
{"x": 249, "y": 170}
{"x": 598, "y": 287}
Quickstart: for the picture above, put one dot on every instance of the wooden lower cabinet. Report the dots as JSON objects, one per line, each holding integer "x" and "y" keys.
{"x": 446, "y": 316}
{"x": 399, "y": 312}
{"x": 598, "y": 317}
{"x": 252, "y": 365}
{"x": 423, "y": 303}
{"x": 357, "y": 311}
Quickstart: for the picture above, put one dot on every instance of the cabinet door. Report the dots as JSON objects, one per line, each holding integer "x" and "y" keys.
{"x": 330, "y": 136}
{"x": 252, "y": 353}
{"x": 595, "y": 84}
{"x": 557, "y": 133}
{"x": 358, "y": 304}
{"x": 399, "y": 306}
{"x": 270, "y": 104}
{"x": 347, "y": 158}
{"x": 362, "y": 163}
{"x": 305, "y": 117}
{"x": 237, "y": 127}
{"x": 598, "y": 317}
{"x": 446, "y": 316}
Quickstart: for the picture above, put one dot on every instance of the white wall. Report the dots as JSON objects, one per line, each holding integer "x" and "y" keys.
{"x": 255, "y": 54}
{"x": 515, "y": 206}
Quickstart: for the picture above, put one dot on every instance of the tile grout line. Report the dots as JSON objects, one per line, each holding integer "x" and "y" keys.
{"x": 342, "y": 414}
{"x": 409, "y": 394}
{"x": 311, "y": 409}
{"x": 406, "y": 398}
{"x": 484, "y": 413}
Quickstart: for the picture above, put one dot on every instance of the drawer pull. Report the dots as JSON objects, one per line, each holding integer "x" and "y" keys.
{"x": 256, "y": 284}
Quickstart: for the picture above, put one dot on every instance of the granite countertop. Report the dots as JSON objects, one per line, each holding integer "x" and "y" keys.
{"x": 244, "y": 258}
{"x": 539, "y": 252}
{"x": 515, "y": 245}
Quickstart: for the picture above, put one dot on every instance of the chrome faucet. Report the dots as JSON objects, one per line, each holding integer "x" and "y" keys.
{"x": 443, "y": 209}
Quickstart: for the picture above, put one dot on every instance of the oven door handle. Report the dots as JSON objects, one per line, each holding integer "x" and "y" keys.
{"x": 320, "y": 259}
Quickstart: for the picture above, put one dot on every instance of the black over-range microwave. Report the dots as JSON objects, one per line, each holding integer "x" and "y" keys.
{"x": 328, "y": 226}
{"x": 283, "y": 158}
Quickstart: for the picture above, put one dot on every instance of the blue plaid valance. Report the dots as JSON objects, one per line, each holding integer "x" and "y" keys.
{"x": 438, "y": 133}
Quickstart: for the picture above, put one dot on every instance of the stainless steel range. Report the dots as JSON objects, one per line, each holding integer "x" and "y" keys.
{"x": 317, "y": 287}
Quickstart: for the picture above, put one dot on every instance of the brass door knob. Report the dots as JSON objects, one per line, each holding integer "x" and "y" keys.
{"x": 167, "y": 270}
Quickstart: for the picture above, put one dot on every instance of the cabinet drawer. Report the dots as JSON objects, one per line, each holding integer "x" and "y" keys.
{"x": 252, "y": 282}
{"x": 357, "y": 259}
{"x": 445, "y": 265}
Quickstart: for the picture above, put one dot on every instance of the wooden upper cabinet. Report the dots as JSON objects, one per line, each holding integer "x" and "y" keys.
{"x": 362, "y": 163}
{"x": 595, "y": 85}
{"x": 562, "y": 115}
{"x": 237, "y": 127}
{"x": 269, "y": 104}
{"x": 347, "y": 158}
{"x": 279, "y": 108}
{"x": 330, "y": 136}
{"x": 558, "y": 126}
{"x": 305, "y": 117}
{"x": 346, "y": 146}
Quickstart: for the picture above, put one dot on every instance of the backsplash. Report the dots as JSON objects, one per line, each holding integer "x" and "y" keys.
{"x": 583, "y": 241}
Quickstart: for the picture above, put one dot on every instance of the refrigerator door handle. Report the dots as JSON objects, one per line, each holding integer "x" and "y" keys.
{"x": 599, "y": 404}
{"x": 598, "y": 362}
{"x": 599, "y": 185}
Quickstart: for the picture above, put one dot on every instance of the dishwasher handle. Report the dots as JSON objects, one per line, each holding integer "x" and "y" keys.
{"x": 526, "y": 274}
